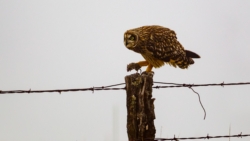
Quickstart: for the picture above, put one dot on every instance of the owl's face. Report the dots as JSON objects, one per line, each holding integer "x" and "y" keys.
{"x": 130, "y": 40}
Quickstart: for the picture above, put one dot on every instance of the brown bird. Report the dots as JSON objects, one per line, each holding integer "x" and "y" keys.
{"x": 158, "y": 45}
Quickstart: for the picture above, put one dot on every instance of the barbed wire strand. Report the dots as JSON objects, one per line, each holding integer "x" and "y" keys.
{"x": 202, "y": 85}
{"x": 167, "y": 83}
{"x": 109, "y": 87}
{"x": 204, "y": 137}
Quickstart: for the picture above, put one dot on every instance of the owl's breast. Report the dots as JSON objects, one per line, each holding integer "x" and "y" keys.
{"x": 152, "y": 60}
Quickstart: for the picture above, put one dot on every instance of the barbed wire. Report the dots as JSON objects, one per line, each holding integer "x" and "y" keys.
{"x": 110, "y": 87}
{"x": 199, "y": 85}
{"x": 204, "y": 137}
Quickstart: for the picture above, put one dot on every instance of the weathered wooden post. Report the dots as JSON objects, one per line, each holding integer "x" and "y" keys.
{"x": 140, "y": 107}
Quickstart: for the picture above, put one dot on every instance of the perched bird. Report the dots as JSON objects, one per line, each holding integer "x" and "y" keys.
{"x": 158, "y": 45}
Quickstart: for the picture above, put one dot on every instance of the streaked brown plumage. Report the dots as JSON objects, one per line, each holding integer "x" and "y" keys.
{"x": 158, "y": 45}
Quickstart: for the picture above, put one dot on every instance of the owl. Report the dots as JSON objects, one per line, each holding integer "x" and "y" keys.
{"x": 158, "y": 45}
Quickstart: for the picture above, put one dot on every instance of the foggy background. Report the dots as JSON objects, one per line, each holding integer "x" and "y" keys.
{"x": 63, "y": 44}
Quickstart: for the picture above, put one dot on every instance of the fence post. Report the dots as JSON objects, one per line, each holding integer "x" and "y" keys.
{"x": 140, "y": 107}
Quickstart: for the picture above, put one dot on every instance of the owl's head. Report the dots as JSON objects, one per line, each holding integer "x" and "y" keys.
{"x": 130, "y": 39}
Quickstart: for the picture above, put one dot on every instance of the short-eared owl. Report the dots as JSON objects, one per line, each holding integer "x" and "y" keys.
{"x": 158, "y": 45}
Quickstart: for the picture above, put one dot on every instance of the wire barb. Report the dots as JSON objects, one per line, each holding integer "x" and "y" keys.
{"x": 208, "y": 136}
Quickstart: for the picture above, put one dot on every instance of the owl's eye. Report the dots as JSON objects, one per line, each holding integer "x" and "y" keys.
{"x": 132, "y": 37}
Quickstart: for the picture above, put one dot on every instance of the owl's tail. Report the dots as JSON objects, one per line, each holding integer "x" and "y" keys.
{"x": 191, "y": 54}
{"x": 188, "y": 59}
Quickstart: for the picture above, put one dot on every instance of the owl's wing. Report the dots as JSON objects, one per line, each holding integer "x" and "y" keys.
{"x": 165, "y": 46}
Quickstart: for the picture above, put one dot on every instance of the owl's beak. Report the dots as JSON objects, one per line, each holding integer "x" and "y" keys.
{"x": 125, "y": 40}
{"x": 126, "y": 43}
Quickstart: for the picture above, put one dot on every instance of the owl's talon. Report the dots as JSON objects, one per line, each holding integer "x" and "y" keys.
{"x": 134, "y": 66}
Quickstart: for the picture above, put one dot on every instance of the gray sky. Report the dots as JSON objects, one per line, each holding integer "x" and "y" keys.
{"x": 77, "y": 44}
